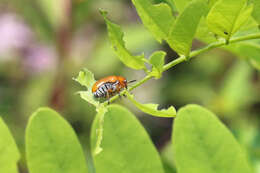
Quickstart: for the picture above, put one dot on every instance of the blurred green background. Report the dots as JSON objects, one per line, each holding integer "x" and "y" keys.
{"x": 44, "y": 43}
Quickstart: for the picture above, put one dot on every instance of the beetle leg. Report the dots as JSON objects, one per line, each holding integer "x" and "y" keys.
{"x": 108, "y": 97}
{"x": 120, "y": 96}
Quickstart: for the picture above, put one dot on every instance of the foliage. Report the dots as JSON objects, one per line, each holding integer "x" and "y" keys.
{"x": 157, "y": 18}
{"x": 201, "y": 143}
{"x": 9, "y": 153}
{"x": 126, "y": 145}
{"x": 157, "y": 61}
{"x": 256, "y": 13}
{"x": 183, "y": 31}
{"x": 116, "y": 38}
{"x": 227, "y": 16}
{"x": 119, "y": 143}
{"x": 51, "y": 144}
{"x": 152, "y": 109}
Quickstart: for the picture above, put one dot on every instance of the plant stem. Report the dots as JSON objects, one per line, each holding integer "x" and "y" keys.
{"x": 192, "y": 54}
{"x": 209, "y": 47}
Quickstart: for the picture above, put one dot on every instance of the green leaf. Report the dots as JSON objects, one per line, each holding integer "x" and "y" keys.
{"x": 126, "y": 145}
{"x": 116, "y": 38}
{"x": 9, "y": 154}
{"x": 184, "y": 29}
{"x": 201, "y": 143}
{"x": 52, "y": 145}
{"x": 181, "y": 4}
{"x": 99, "y": 131}
{"x": 105, "y": 62}
{"x": 227, "y": 16}
{"x": 156, "y": 18}
{"x": 152, "y": 109}
{"x": 255, "y": 63}
{"x": 256, "y": 11}
{"x": 203, "y": 33}
{"x": 243, "y": 17}
{"x": 168, "y": 158}
{"x": 88, "y": 96}
{"x": 236, "y": 92}
{"x": 212, "y": 2}
{"x": 86, "y": 78}
{"x": 157, "y": 61}
{"x": 248, "y": 50}
{"x": 236, "y": 88}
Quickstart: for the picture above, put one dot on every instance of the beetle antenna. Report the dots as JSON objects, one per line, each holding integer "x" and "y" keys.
{"x": 131, "y": 81}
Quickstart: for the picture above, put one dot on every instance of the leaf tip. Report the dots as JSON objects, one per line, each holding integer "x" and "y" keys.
{"x": 102, "y": 12}
{"x": 98, "y": 151}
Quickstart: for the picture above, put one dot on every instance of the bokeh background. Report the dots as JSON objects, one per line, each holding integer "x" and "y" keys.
{"x": 44, "y": 43}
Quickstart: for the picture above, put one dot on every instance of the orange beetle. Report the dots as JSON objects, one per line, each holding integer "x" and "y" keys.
{"x": 108, "y": 86}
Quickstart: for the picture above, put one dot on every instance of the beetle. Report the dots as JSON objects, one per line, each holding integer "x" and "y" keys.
{"x": 109, "y": 86}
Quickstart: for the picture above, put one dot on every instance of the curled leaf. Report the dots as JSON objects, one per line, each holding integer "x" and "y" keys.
{"x": 101, "y": 111}
{"x": 116, "y": 38}
{"x": 152, "y": 109}
{"x": 86, "y": 78}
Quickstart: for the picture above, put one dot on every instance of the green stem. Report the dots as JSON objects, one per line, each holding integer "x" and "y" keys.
{"x": 192, "y": 54}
